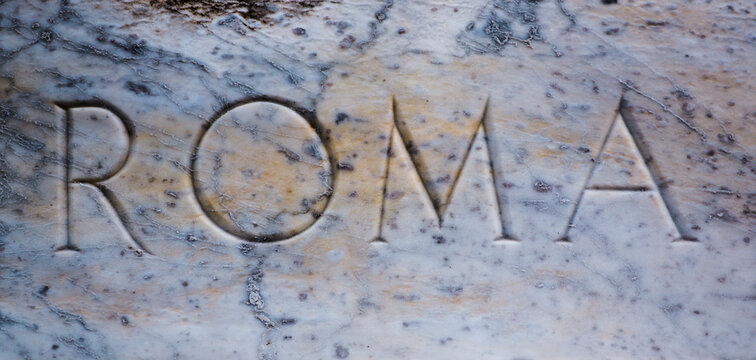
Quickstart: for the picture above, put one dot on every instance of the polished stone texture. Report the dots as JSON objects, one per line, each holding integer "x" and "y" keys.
{"x": 508, "y": 179}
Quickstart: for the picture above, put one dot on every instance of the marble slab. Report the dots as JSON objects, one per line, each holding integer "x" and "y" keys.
{"x": 320, "y": 179}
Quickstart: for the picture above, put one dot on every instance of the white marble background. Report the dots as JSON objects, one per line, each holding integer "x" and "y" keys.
{"x": 138, "y": 271}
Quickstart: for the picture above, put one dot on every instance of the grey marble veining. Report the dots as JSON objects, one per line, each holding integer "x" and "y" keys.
{"x": 508, "y": 179}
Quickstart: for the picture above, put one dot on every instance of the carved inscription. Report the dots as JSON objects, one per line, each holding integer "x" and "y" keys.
{"x": 440, "y": 183}
{"x": 438, "y": 136}
{"x": 620, "y": 167}
{"x": 97, "y": 144}
{"x": 261, "y": 173}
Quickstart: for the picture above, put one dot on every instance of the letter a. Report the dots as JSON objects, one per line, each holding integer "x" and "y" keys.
{"x": 620, "y": 167}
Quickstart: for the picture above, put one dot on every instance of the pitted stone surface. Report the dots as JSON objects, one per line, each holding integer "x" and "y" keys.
{"x": 391, "y": 180}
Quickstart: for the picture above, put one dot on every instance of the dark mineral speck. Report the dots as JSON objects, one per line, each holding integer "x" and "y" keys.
{"x": 341, "y": 352}
{"x": 541, "y": 186}
{"x": 347, "y": 42}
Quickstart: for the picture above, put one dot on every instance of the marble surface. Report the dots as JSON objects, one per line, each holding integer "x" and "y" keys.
{"x": 508, "y": 179}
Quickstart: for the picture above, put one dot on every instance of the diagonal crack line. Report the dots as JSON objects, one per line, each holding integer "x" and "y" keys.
{"x": 666, "y": 109}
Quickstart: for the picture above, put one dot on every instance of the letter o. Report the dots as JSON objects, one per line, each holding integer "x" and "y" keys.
{"x": 261, "y": 172}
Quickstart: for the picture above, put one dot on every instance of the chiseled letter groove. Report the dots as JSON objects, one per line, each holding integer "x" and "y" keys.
{"x": 620, "y": 166}
{"x": 262, "y": 173}
{"x": 438, "y": 189}
{"x": 97, "y": 143}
